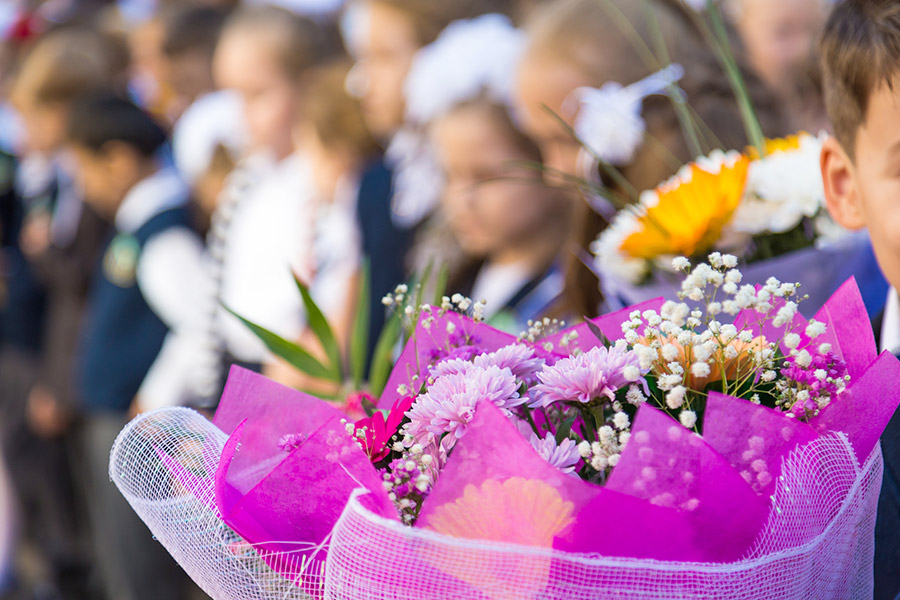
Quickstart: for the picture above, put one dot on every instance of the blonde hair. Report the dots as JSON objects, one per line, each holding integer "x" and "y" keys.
{"x": 334, "y": 115}
{"x": 430, "y": 17}
{"x": 68, "y": 63}
{"x": 297, "y": 42}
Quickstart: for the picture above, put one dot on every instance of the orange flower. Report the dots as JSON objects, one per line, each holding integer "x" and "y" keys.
{"x": 785, "y": 144}
{"x": 685, "y": 215}
{"x": 735, "y": 368}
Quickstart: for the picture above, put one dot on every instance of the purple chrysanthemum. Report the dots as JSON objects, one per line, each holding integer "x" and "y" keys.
{"x": 563, "y": 456}
{"x": 449, "y": 403}
{"x": 587, "y": 377}
{"x": 518, "y": 358}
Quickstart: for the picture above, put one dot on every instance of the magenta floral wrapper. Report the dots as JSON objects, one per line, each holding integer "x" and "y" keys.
{"x": 292, "y": 463}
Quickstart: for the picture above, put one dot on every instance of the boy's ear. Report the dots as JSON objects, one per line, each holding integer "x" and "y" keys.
{"x": 842, "y": 195}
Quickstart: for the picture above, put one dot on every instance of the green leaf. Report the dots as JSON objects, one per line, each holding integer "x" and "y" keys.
{"x": 322, "y": 330}
{"x": 564, "y": 429}
{"x": 289, "y": 351}
{"x": 424, "y": 280}
{"x": 597, "y": 333}
{"x": 382, "y": 359}
{"x": 359, "y": 340}
{"x": 440, "y": 286}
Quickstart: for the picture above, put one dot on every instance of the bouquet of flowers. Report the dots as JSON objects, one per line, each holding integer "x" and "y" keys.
{"x": 715, "y": 449}
{"x": 766, "y": 209}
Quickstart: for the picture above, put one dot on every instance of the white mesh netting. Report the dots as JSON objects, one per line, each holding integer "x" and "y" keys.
{"x": 818, "y": 542}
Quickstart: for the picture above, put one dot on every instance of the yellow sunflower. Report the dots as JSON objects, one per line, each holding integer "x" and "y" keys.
{"x": 685, "y": 215}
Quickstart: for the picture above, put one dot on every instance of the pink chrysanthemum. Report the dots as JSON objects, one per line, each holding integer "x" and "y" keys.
{"x": 587, "y": 377}
{"x": 518, "y": 358}
{"x": 563, "y": 456}
{"x": 450, "y": 366}
{"x": 449, "y": 403}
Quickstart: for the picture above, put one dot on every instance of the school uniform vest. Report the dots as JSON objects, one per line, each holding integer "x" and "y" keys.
{"x": 122, "y": 334}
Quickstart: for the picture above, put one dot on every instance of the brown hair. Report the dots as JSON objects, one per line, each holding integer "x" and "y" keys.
{"x": 860, "y": 50}
{"x": 68, "y": 63}
{"x": 299, "y": 43}
{"x": 335, "y": 116}
{"x": 603, "y": 40}
{"x": 430, "y": 17}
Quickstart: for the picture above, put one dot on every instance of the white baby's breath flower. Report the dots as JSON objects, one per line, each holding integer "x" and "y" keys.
{"x": 631, "y": 373}
{"x": 688, "y": 418}
{"x": 584, "y": 449}
{"x": 824, "y": 348}
{"x": 815, "y": 329}
{"x": 791, "y": 340}
{"x": 803, "y": 358}
{"x": 700, "y": 369}
{"x": 621, "y": 421}
{"x": 675, "y": 397}
{"x": 634, "y": 395}
{"x": 680, "y": 263}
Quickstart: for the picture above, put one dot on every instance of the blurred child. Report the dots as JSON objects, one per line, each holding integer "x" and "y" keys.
{"x": 861, "y": 61}
{"x": 779, "y": 37}
{"x": 135, "y": 295}
{"x": 574, "y": 44}
{"x": 501, "y": 213}
{"x": 259, "y": 228}
{"x": 333, "y": 138}
{"x": 384, "y": 36}
{"x": 190, "y": 35}
{"x": 510, "y": 226}
{"x": 52, "y": 246}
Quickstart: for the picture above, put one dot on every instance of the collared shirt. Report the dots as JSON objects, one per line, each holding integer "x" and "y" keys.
{"x": 890, "y": 325}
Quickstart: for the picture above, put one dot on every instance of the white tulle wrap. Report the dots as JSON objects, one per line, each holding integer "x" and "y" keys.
{"x": 817, "y": 543}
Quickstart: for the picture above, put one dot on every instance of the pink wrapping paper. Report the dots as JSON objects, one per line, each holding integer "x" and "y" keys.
{"x": 436, "y": 342}
{"x": 284, "y": 501}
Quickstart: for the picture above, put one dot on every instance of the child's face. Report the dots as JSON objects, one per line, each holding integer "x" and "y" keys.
{"x": 188, "y": 76}
{"x": 105, "y": 176}
{"x": 779, "y": 36}
{"x": 491, "y": 203}
{"x": 865, "y": 192}
{"x": 543, "y": 84}
{"x": 244, "y": 63}
{"x": 45, "y": 125}
{"x": 385, "y": 55}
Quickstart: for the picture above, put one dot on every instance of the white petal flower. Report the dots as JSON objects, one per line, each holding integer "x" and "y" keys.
{"x": 609, "y": 120}
{"x": 781, "y": 189}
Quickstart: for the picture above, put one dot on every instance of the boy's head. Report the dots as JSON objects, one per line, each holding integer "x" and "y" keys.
{"x": 861, "y": 163}
{"x": 113, "y": 144}
{"x": 63, "y": 65}
{"x": 189, "y": 41}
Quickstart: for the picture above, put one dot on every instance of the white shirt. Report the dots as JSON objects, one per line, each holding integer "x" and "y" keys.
{"x": 890, "y": 324}
{"x": 498, "y": 284}
{"x": 269, "y": 234}
{"x": 171, "y": 274}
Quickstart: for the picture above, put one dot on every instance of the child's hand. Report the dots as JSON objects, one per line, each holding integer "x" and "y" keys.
{"x": 35, "y": 236}
{"x": 46, "y": 416}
